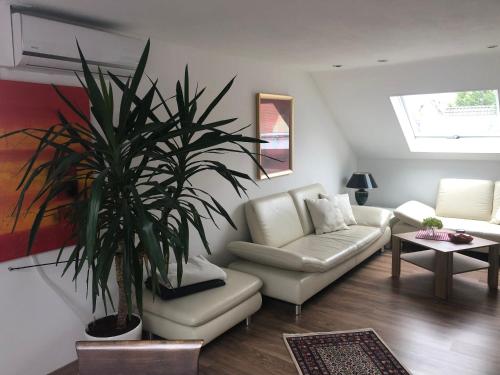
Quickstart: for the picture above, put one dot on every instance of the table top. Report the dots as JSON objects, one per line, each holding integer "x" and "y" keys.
{"x": 445, "y": 246}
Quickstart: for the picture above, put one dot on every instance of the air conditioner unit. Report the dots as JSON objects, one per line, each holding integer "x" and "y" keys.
{"x": 41, "y": 43}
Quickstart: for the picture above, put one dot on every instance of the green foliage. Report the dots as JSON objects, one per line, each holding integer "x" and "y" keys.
{"x": 474, "y": 98}
{"x": 432, "y": 222}
{"x": 136, "y": 203}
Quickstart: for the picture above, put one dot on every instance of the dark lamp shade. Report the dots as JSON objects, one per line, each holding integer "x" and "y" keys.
{"x": 361, "y": 181}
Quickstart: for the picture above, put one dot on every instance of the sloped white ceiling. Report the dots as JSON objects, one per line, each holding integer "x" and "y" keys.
{"x": 313, "y": 34}
{"x": 449, "y": 37}
{"x": 359, "y": 99}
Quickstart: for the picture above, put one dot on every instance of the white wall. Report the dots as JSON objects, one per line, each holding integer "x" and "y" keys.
{"x": 403, "y": 180}
{"x": 321, "y": 152}
{"x": 38, "y": 329}
{"x": 42, "y": 313}
{"x": 359, "y": 101}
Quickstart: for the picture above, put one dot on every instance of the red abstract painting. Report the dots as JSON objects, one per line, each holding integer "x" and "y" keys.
{"x": 30, "y": 105}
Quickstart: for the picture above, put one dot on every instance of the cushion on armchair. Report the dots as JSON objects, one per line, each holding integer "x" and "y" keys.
{"x": 465, "y": 199}
{"x": 495, "y": 212}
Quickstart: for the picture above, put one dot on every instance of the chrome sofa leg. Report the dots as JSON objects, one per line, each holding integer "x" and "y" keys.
{"x": 298, "y": 309}
{"x": 248, "y": 321}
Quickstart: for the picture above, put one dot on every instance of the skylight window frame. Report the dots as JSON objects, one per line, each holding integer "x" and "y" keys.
{"x": 478, "y": 144}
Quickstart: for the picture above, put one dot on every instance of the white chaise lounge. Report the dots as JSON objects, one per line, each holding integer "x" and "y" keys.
{"x": 293, "y": 263}
{"x": 472, "y": 205}
{"x": 204, "y": 315}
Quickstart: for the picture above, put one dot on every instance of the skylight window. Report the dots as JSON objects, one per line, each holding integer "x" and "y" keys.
{"x": 462, "y": 122}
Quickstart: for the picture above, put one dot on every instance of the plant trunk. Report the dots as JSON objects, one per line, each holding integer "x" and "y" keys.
{"x": 121, "y": 318}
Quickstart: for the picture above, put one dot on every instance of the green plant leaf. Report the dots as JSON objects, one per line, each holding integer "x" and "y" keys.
{"x": 93, "y": 215}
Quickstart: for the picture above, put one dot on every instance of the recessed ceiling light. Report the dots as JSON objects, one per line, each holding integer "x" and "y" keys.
{"x": 382, "y": 60}
{"x": 337, "y": 66}
{"x": 493, "y": 46}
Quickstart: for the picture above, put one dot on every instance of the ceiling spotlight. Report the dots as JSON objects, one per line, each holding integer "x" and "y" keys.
{"x": 337, "y": 66}
{"x": 493, "y": 46}
{"x": 382, "y": 60}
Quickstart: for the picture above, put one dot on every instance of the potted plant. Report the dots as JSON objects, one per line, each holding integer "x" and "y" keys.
{"x": 432, "y": 223}
{"x": 135, "y": 203}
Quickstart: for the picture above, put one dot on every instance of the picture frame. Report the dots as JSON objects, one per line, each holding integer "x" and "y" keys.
{"x": 275, "y": 124}
{"x": 35, "y": 105}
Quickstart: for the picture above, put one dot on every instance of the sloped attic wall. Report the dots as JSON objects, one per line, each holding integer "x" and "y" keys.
{"x": 359, "y": 102}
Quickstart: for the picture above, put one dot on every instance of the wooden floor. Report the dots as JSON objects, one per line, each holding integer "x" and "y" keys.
{"x": 460, "y": 336}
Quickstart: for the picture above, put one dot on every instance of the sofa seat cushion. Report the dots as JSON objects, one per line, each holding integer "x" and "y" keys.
{"x": 197, "y": 309}
{"x": 330, "y": 249}
{"x": 478, "y": 228}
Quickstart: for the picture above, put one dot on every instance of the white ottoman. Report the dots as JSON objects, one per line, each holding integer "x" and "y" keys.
{"x": 204, "y": 315}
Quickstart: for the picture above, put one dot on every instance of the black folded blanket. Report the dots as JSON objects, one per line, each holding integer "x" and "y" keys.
{"x": 171, "y": 293}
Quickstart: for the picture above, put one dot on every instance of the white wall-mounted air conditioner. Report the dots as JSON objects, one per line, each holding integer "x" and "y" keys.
{"x": 41, "y": 43}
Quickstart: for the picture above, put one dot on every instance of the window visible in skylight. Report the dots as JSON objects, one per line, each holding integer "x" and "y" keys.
{"x": 464, "y": 122}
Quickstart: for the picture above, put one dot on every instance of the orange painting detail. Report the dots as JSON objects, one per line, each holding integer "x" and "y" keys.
{"x": 30, "y": 105}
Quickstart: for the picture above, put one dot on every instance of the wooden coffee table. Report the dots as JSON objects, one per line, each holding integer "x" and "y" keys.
{"x": 443, "y": 259}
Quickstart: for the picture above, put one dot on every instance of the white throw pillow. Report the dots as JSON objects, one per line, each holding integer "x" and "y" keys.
{"x": 342, "y": 201}
{"x": 326, "y": 215}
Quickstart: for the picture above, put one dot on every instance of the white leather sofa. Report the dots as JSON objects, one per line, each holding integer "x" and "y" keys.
{"x": 460, "y": 204}
{"x": 292, "y": 261}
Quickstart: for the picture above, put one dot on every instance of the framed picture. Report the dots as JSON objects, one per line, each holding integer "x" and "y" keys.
{"x": 275, "y": 125}
{"x": 32, "y": 105}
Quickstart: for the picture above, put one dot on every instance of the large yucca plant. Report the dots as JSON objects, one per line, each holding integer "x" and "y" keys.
{"x": 133, "y": 165}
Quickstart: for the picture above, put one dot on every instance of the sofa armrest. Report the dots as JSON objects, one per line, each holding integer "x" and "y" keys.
{"x": 413, "y": 212}
{"x": 274, "y": 256}
{"x": 372, "y": 216}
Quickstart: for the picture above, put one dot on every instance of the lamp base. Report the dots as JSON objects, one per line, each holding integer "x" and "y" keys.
{"x": 361, "y": 196}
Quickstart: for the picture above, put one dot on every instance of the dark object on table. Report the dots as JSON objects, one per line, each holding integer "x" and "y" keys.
{"x": 361, "y": 181}
{"x": 460, "y": 238}
{"x": 460, "y": 231}
{"x": 138, "y": 357}
{"x": 171, "y": 293}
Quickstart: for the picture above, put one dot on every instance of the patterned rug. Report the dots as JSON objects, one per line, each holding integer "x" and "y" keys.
{"x": 360, "y": 352}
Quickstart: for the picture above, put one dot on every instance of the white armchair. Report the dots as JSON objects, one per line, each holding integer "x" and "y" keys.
{"x": 460, "y": 204}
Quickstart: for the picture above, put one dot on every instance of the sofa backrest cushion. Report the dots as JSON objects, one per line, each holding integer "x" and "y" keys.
{"x": 465, "y": 199}
{"x": 273, "y": 220}
{"x": 496, "y": 204}
{"x": 299, "y": 197}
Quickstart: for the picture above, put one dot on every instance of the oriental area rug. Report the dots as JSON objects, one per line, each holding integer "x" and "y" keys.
{"x": 360, "y": 352}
